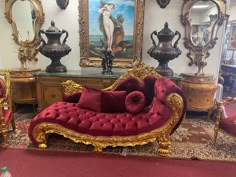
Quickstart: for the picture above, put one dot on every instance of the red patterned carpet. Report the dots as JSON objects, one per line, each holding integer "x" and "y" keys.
{"x": 192, "y": 140}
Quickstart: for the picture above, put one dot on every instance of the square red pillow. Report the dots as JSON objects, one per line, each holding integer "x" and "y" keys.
{"x": 90, "y": 99}
{"x": 113, "y": 101}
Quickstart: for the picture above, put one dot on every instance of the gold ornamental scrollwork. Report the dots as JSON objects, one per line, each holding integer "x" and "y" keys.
{"x": 199, "y": 52}
{"x": 28, "y": 48}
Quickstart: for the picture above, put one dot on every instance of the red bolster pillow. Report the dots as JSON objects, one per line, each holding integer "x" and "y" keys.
{"x": 135, "y": 102}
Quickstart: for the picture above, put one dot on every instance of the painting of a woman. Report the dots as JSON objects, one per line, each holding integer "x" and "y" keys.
{"x": 106, "y": 24}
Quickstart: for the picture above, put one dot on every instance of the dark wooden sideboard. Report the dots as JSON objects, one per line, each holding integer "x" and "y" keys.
{"x": 50, "y": 90}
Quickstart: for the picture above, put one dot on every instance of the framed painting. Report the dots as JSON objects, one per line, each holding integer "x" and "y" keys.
{"x": 115, "y": 26}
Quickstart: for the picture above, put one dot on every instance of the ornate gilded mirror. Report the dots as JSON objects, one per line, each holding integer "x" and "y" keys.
{"x": 202, "y": 19}
{"x": 26, "y": 18}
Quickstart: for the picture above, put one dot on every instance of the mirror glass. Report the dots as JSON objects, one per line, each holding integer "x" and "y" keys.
{"x": 203, "y": 16}
{"x": 23, "y": 13}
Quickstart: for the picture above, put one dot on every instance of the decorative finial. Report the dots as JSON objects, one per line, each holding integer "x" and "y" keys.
{"x": 166, "y": 25}
{"x": 52, "y": 23}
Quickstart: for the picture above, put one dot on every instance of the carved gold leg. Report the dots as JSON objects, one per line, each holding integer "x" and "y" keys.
{"x": 98, "y": 148}
{"x": 42, "y": 146}
{"x": 4, "y": 131}
{"x": 40, "y": 137}
{"x": 164, "y": 144}
{"x": 4, "y": 134}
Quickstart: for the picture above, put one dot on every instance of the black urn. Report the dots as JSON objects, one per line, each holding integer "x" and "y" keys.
{"x": 54, "y": 49}
{"x": 164, "y": 51}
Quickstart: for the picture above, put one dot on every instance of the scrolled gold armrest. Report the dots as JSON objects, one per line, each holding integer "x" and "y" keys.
{"x": 71, "y": 87}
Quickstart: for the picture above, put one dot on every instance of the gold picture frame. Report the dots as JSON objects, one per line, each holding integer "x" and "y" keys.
{"x": 28, "y": 47}
{"x": 86, "y": 60}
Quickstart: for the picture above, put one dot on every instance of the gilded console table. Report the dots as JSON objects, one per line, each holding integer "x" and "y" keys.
{"x": 50, "y": 90}
{"x": 23, "y": 87}
{"x": 200, "y": 92}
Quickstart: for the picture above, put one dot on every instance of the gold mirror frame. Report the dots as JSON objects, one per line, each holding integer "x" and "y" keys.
{"x": 199, "y": 53}
{"x": 28, "y": 49}
{"x": 87, "y": 61}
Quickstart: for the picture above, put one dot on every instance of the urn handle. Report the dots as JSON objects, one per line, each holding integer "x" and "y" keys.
{"x": 176, "y": 42}
{"x": 64, "y": 40}
{"x": 153, "y": 33}
{"x": 41, "y": 38}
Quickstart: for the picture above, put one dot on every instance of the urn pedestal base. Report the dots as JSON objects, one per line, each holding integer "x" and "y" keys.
{"x": 164, "y": 70}
{"x": 56, "y": 67}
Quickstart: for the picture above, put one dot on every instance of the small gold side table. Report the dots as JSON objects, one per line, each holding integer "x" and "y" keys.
{"x": 23, "y": 86}
{"x": 199, "y": 91}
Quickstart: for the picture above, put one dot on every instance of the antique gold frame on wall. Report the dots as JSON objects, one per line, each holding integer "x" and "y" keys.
{"x": 198, "y": 53}
{"x": 29, "y": 48}
{"x": 85, "y": 60}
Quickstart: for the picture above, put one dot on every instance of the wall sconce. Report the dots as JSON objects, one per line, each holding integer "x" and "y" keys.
{"x": 163, "y": 3}
{"x": 62, "y": 3}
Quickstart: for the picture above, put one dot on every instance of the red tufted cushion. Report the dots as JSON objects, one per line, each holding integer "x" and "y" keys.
{"x": 70, "y": 116}
{"x": 72, "y": 98}
{"x": 135, "y": 102}
{"x": 90, "y": 99}
{"x": 102, "y": 101}
{"x": 229, "y": 125}
{"x": 113, "y": 101}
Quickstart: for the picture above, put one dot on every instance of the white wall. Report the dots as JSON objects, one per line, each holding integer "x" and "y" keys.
{"x": 155, "y": 17}
{"x": 64, "y": 19}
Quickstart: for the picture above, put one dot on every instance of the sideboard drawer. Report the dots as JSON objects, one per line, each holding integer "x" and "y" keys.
{"x": 50, "y": 90}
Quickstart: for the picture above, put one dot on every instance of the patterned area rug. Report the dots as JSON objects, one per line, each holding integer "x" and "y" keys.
{"x": 193, "y": 139}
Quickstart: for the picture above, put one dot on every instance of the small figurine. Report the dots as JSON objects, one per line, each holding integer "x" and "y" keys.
{"x": 23, "y": 58}
{"x": 107, "y": 60}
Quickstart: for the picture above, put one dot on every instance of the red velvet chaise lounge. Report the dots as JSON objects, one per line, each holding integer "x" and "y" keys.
{"x": 140, "y": 107}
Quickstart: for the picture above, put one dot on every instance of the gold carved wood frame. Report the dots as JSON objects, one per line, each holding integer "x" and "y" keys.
{"x": 87, "y": 61}
{"x": 29, "y": 47}
{"x": 198, "y": 53}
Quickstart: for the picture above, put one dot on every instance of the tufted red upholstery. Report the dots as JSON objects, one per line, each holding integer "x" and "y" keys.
{"x": 101, "y": 124}
{"x": 70, "y": 116}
